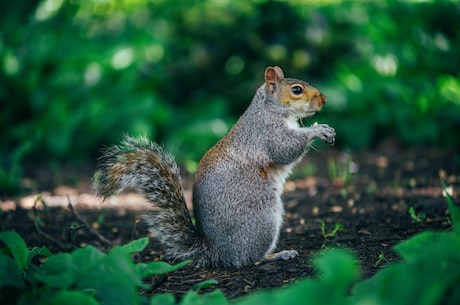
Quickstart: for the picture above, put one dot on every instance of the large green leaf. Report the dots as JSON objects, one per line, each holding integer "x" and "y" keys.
{"x": 112, "y": 277}
{"x": 121, "y": 263}
{"x": 337, "y": 267}
{"x": 110, "y": 287}
{"x": 10, "y": 274}
{"x": 16, "y": 246}
{"x": 439, "y": 246}
{"x": 69, "y": 297}
{"x": 58, "y": 271}
{"x": 87, "y": 258}
{"x": 430, "y": 269}
{"x": 337, "y": 272}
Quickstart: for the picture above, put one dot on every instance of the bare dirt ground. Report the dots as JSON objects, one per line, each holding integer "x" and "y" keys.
{"x": 369, "y": 194}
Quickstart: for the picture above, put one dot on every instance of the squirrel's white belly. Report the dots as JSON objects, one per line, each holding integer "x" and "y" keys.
{"x": 278, "y": 177}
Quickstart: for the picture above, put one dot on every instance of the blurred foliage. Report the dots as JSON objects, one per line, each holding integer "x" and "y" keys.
{"x": 75, "y": 75}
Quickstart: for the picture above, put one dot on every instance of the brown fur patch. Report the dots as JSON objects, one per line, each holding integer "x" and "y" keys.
{"x": 265, "y": 171}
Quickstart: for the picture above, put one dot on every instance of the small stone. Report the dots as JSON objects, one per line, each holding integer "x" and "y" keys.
{"x": 364, "y": 232}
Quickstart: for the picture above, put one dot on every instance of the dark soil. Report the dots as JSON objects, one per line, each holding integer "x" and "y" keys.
{"x": 369, "y": 195}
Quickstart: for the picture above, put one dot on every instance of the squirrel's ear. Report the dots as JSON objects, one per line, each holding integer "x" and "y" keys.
{"x": 273, "y": 75}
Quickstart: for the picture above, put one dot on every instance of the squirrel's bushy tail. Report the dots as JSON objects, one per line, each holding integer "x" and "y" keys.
{"x": 144, "y": 165}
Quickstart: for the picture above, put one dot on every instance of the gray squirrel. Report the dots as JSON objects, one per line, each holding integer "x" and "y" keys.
{"x": 238, "y": 185}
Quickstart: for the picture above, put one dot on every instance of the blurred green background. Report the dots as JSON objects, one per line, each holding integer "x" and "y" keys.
{"x": 77, "y": 74}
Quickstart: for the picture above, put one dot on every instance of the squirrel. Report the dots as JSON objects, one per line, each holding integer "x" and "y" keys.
{"x": 238, "y": 184}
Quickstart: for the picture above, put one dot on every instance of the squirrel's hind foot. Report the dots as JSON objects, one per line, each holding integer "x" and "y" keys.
{"x": 283, "y": 255}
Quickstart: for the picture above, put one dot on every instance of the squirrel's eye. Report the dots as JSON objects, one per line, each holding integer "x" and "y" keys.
{"x": 297, "y": 90}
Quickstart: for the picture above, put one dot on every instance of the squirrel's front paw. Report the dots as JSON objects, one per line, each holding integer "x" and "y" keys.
{"x": 323, "y": 132}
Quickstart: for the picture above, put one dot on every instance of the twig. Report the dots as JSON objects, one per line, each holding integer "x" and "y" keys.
{"x": 69, "y": 233}
{"x": 172, "y": 291}
{"x": 161, "y": 279}
{"x": 36, "y": 219}
{"x": 88, "y": 227}
{"x": 136, "y": 222}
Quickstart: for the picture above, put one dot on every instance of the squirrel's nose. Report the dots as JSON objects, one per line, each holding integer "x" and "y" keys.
{"x": 323, "y": 98}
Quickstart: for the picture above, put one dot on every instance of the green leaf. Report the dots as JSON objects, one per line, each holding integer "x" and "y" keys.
{"x": 397, "y": 284}
{"x": 58, "y": 271}
{"x": 337, "y": 267}
{"x": 431, "y": 268}
{"x": 110, "y": 287}
{"x": 113, "y": 276}
{"x": 154, "y": 268}
{"x": 10, "y": 274}
{"x": 454, "y": 209}
{"x": 70, "y": 297}
{"x": 163, "y": 299}
{"x": 43, "y": 251}
{"x": 120, "y": 262}
{"x": 135, "y": 246}
{"x": 193, "y": 297}
{"x": 316, "y": 291}
{"x": 86, "y": 258}
{"x": 338, "y": 271}
{"x": 410, "y": 250}
{"x": 212, "y": 298}
{"x": 17, "y": 247}
{"x": 205, "y": 284}
{"x": 437, "y": 245}
{"x": 454, "y": 296}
